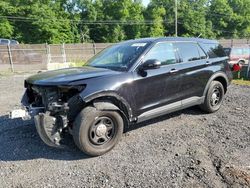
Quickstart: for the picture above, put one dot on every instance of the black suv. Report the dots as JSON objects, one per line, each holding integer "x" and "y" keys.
{"x": 127, "y": 83}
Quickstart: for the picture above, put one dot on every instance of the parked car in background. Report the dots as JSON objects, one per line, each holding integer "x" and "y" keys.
{"x": 8, "y": 41}
{"x": 238, "y": 54}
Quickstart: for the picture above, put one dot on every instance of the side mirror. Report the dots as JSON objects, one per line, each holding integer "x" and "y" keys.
{"x": 151, "y": 64}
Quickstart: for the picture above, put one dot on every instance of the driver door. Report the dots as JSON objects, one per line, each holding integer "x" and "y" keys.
{"x": 158, "y": 87}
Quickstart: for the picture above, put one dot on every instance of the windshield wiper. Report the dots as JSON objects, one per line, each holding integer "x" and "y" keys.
{"x": 115, "y": 68}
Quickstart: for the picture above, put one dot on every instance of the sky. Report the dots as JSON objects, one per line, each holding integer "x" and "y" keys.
{"x": 145, "y": 2}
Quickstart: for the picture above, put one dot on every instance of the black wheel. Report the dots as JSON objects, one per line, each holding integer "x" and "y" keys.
{"x": 213, "y": 98}
{"x": 97, "y": 132}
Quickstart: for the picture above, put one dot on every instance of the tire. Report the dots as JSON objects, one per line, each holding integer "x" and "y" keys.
{"x": 212, "y": 103}
{"x": 241, "y": 62}
{"x": 89, "y": 130}
{"x": 75, "y": 105}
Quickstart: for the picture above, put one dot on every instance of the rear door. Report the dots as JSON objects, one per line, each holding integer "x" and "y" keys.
{"x": 194, "y": 69}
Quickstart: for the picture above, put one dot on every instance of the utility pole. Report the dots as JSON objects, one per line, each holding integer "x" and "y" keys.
{"x": 248, "y": 67}
{"x": 176, "y": 19}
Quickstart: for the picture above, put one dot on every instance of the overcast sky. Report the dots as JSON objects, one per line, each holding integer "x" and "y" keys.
{"x": 145, "y": 2}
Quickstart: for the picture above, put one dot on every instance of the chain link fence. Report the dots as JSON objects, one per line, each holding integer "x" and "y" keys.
{"x": 234, "y": 42}
{"x": 30, "y": 57}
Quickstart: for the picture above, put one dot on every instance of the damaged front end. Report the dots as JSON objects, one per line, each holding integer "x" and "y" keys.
{"x": 53, "y": 108}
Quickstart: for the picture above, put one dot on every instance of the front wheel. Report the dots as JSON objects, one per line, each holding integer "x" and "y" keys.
{"x": 97, "y": 132}
{"x": 213, "y": 98}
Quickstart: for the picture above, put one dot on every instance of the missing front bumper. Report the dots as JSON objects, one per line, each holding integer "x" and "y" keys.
{"x": 50, "y": 129}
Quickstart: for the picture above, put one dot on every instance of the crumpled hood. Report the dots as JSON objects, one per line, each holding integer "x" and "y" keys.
{"x": 65, "y": 76}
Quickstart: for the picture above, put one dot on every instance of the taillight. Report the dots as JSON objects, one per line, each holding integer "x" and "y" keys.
{"x": 236, "y": 67}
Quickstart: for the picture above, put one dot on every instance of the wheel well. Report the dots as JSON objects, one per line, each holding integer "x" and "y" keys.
{"x": 117, "y": 103}
{"x": 241, "y": 60}
{"x": 223, "y": 81}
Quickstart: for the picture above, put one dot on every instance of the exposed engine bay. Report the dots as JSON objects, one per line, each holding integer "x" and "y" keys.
{"x": 54, "y": 109}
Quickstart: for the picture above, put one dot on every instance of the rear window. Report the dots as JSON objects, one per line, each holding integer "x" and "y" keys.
{"x": 188, "y": 51}
{"x": 213, "y": 50}
{"x": 240, "y": 51}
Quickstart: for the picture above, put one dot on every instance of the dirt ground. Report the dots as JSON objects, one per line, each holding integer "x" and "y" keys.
{"x": 182, "y": 149}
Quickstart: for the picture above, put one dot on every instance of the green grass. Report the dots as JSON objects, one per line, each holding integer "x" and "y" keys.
{"x": 77, "y": 64}
{"x": 242, "y": 82}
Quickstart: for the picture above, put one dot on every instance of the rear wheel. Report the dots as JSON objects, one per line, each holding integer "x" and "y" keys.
{"x": 97, "y": 132}
{"x": 214, "y": 97}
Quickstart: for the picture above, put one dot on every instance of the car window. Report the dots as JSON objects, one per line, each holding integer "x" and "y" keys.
{"x": 240, "y": 51}
{"x": 119, "y": 57}
{"x": 188, "y": 51}
{"x": 3, "y": 41}
{"x": 246, "y": 51}
{"x": 13, "y": 42}
{"x": 237, "y": 51}
{"x": 202, "y": 53}
{"x": 163, "y": 52}
{"x": 213, "y": 50}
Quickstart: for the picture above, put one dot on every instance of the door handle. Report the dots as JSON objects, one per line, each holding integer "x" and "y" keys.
{"x": 208, "y": 63}
{"x": 174, "y": 70}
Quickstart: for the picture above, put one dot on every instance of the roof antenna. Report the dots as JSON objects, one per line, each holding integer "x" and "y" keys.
{"x": 199, "y": 35}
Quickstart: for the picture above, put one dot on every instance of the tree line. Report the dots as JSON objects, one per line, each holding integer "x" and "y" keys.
{"x": 74, "y": 21}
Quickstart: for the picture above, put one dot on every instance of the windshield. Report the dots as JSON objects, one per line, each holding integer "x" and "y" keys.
{"x": 119, "y": 57}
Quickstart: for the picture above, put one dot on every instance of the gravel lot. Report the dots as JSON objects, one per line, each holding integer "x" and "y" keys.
{"x": 182, "y": 149}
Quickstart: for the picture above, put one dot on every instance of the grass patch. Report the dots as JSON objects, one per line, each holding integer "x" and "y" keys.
{"x": 242, "y": 82}
{"x": 78, "y": 64}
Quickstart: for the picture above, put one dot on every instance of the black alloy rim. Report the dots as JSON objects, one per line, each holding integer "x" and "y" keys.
{"x": 102, "y": 130}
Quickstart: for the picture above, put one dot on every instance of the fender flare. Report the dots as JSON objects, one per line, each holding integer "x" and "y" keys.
{"x": 103, "y": 105}
{"x": 244, "y": 60}
{"x": 213, "y": 77}
{"x": 105, "y": 94}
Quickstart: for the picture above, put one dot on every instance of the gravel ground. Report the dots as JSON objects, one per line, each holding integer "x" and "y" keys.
{"x": 182, "y": 149}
